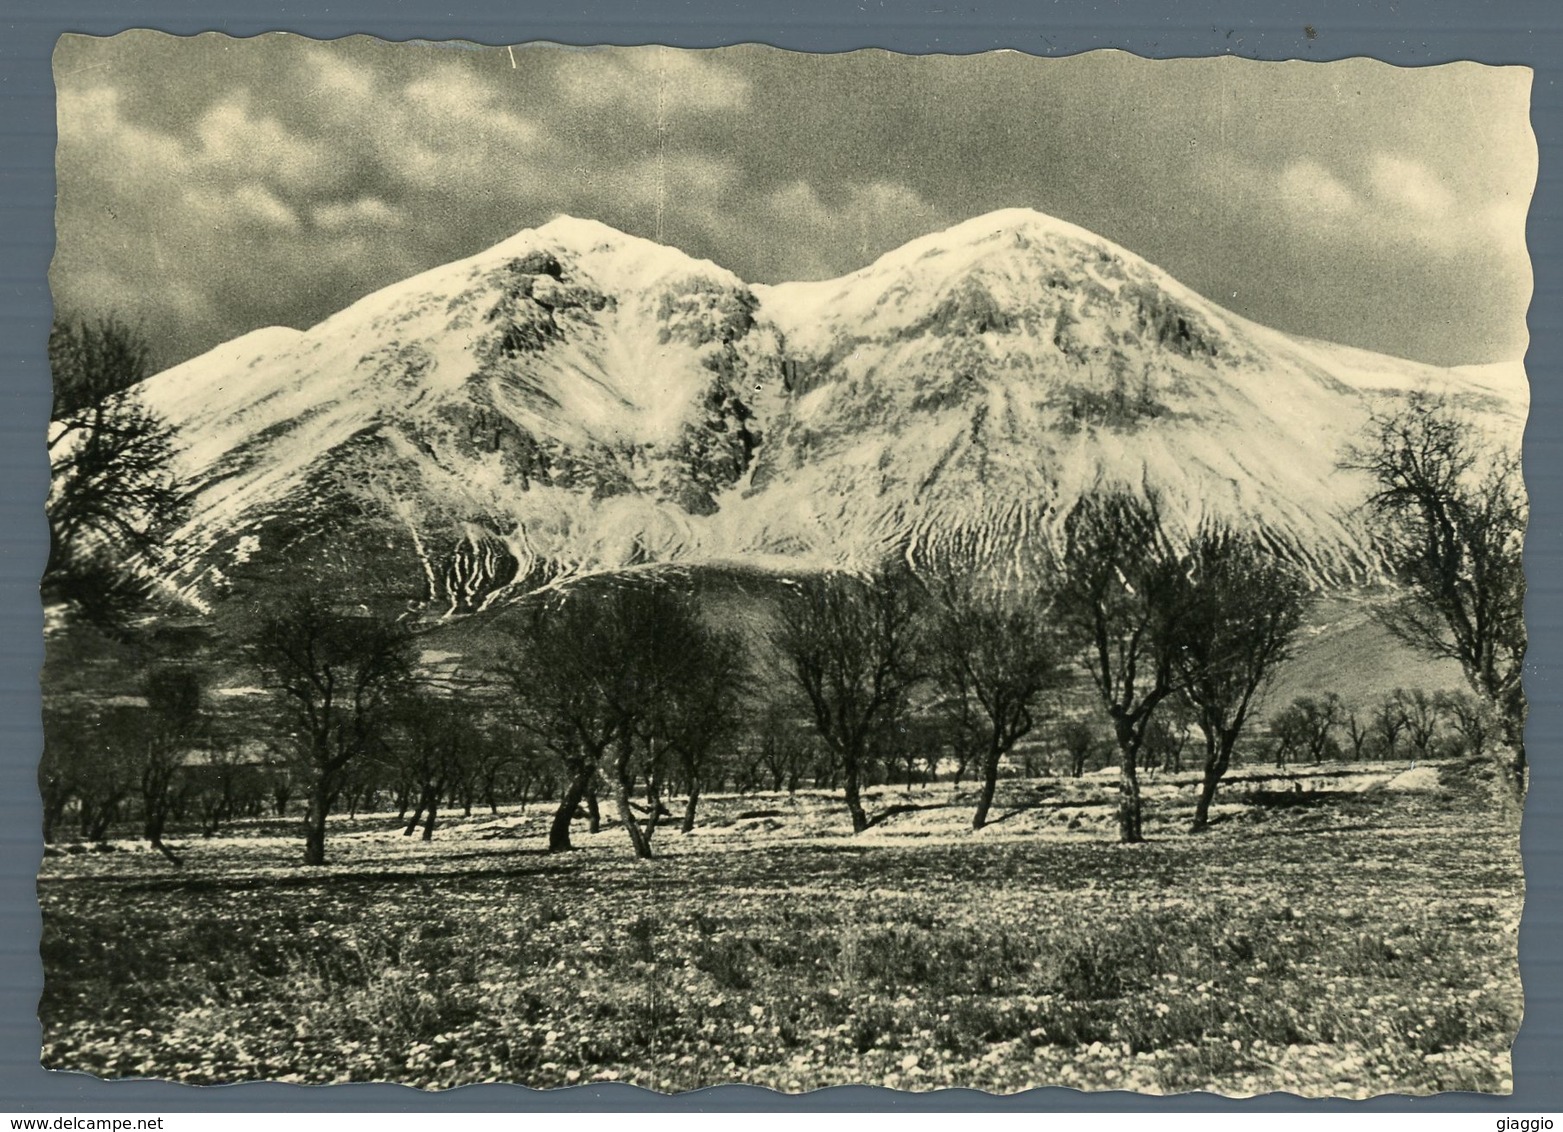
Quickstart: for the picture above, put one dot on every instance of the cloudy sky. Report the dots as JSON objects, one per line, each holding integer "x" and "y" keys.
{"x": 210, "y": 186}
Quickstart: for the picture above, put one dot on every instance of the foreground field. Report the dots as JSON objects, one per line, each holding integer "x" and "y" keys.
{"x": 1342, "y": 932}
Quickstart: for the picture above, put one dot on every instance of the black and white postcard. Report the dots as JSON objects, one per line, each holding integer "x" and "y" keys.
{"x": 687, "y": 567}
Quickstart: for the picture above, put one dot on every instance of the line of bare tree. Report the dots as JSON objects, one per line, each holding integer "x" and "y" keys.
{"x": 1405, "y": 723}
{"x": 626, "y": 689}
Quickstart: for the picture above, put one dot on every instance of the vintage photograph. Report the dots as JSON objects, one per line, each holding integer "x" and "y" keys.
{"x": 688, "y": 567}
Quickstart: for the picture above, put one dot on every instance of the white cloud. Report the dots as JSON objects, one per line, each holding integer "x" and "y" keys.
{"x": 1402, "y": 183}
{"x": 365, "y": 212}
{"x": 248, "y": 205}
{"x": 686, "y": 182}
{"x": 652, "y": 82}
{"x": 1308, "y": 188}
{"x": 342, "y": 79}
{"x": 94, "y": 133}
{"x": 455, "y": 98}
{"x": 262, "y": 204}
{"x": 447, "y": 131}
{"x": 1396, "y": 200}
{"x": 236, "y": 143}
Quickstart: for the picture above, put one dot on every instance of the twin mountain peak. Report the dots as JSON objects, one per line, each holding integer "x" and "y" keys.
{"x": 576, "y": 401}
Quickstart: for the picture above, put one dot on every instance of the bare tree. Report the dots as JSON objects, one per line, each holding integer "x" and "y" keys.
{"x": 1420, "y": 712}
{"x": 994, "y": 654}
{"x": 784, "y": 753}
{"x": 1307, "y": 727}
{"x": 172, "y": 727}
{"x": 1471, "y": 717}
{"x": 1359, "y": 730}
{"x": 1124, "y": 600}
{"x": 1389, "y": 721}
{"x": 903, "y": 750}
{"x": 84, "y": 763}
{"x": 337, "y": 675}
{"x": 66, "y": 738}
{"x": 226, "y": 786}
{"x": 105, "y": 780}
{"x": 1079, "y": 738}
{"x": 1246, "y": 607}
{"x": 112, "y": 494}
{"x": 1454, "y": 515}
{"x": 501, "y": 764}
{"x": 432, "y": 743}
{"x": 559, "y": 671}
{"x": 675, "y": 692}
{"x": 850, "y": 647}
{"x": 701, "y": 709}
{"x": 632, "y": 669}
{"x": 280, "y": 785}
{"x": 1167, "y": 736}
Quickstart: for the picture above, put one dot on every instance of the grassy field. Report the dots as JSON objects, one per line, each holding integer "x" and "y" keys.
{"x": 1348, "y": 931}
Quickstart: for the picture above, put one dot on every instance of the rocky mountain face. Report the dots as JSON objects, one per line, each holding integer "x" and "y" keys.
{"x": 575, "y": 401}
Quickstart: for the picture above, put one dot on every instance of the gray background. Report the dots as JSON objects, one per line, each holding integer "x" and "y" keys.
{"x": 1405, "y": 33}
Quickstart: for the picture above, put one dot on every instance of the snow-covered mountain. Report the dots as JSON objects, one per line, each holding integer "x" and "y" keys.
{"x": 576, "y": 400}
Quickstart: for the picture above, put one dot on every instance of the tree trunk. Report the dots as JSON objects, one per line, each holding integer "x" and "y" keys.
{"x": 98, "y": 830}
{"x": 854, "y": 798}
{"x": 95, "y": 820}
{"x": 1207, "y": 794}
{"x": 1130, "y": 734}
{"x": 1218, "y": 757}
{"x": 689, "y": 808}
{"x": 53, "y": 811}
{"x": 621, "y": 798}
{"x": 315, "y": 823}
{"x": 1512, "y": 724}
{"x": 990, "y": 783}
{"x": 593, "y": 813}
{"x": 156, "y": 821}
{"x": 1129, "y": 800}
{"x": 434, "y": 810}
{"x": 559, "y": 831}
{"x": 157, "y": 843}
{"x": 623, "y": 780}
{"x": 417, "y": 815}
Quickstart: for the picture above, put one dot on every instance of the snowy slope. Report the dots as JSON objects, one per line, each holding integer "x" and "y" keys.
{"x": 537, "y": 396}
{"x": 576, "y": 400}
{"x": 976, "y": 382}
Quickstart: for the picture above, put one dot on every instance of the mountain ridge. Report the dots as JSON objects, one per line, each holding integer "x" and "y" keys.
{"x": 576, "y": 400}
